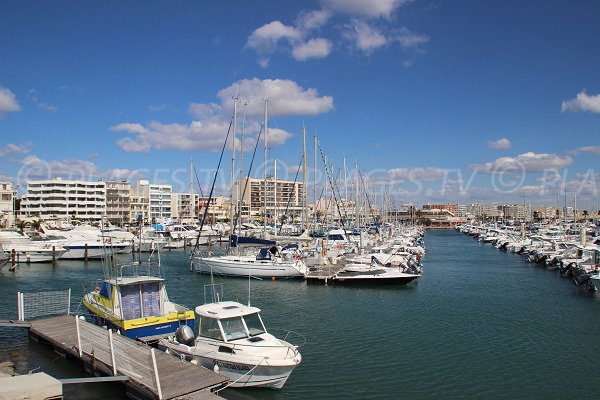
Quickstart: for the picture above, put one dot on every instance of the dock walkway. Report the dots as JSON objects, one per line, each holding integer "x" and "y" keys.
{"x": 152, "y": 374}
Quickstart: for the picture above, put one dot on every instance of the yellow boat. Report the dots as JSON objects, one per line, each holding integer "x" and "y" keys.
{"x": 135, "y": 303}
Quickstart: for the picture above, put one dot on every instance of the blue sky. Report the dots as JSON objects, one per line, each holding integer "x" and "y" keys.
{"x": 458, "y": 101}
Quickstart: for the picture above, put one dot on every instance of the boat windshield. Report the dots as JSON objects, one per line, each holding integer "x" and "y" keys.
{"x": 234, "y": 328}
{"x": 209, "y": 328}
{"x": 254, "y": 324}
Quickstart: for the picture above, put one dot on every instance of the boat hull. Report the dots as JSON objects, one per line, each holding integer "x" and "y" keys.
{"x": 140, "y": 328}
{"x": 257, "y": 269}
{"x": 241, "y": 374}
{"x": 372, "y": 280}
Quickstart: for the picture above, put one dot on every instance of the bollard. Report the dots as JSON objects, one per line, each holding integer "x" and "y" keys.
{"x": 13, "y": 257}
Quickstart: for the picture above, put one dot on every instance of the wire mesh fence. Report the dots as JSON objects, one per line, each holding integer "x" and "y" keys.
{"x": 42, "y": 304}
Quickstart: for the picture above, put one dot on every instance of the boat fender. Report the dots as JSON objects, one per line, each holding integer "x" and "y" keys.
{"x": 216, "y": 368}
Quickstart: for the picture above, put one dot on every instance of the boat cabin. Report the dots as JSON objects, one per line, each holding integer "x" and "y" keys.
{"x": 135, "y": 297}
{"x": 228, "y": 321}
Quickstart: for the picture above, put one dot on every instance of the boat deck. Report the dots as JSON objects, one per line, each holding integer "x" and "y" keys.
{"x": 324, "y": 273}
{"x": 172, "y": 378}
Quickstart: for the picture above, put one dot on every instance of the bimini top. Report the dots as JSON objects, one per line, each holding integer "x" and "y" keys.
{"x": 225, "y": 309}
{"x": 134, "y": 280}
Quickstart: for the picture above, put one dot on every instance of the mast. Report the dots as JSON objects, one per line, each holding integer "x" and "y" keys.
{"x": 231, "y": 207}
{"x": 346, "y": 201}
{"x": 239, "y": 186}
{"x": 315, "y": 183}
{"x": 191, "y": 190}
{"x": 326, "y": 197}
{"x": 275, "y": 193}
{"x": 265, "y": 170}
{"x": 304, "y": 194}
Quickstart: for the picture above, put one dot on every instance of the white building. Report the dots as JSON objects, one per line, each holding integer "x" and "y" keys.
{"x": 139, "y": 203}
{"x": 7, "y": 204}
{"x": 160, "y": 202}
{"x": 280, "y": 196}
{"x": 65, "y": 199}
{"x": 118, "y": 196}
{"x": 184, "y": 207}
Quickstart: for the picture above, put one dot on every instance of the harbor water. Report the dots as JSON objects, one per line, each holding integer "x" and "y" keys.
{"x": 479, "y": 324}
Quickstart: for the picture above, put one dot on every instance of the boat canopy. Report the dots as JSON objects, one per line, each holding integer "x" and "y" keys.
{"x": 225, "y": 309}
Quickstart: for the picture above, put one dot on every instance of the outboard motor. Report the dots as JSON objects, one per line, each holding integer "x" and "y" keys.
{"x": 184, "y": 335}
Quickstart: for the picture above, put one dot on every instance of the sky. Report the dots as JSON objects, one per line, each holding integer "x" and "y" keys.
{"x": 431, "y": 101}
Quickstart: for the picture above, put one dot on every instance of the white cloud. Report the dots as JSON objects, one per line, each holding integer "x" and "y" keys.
{"x": 309, "y": 20}
{"x": 408, "y": 39}
{"x": 8, "y": 101}
{"x": 286, "y": 98}
{"x": 140, "y": 145}
{"x": 208, "y": 131}
{"x": 366, "y": 8}
{"x": 14, "y": 149}
{"x": 204, "y": 110}
{"x": 526, "y": 162}
{"x": 296, "y": 39}
{"x": 34, "y": 96}
{"x": 129, "y": 127}
{"x": 585, "y": 149}
{"x": 500, "y": 144}
{"x": 314, "y": 48}
{"x": 427, "y": 174}
{"x": 265, "y": 40}
{"x": 582, "y": 103}
{"x": 364, "y": 37}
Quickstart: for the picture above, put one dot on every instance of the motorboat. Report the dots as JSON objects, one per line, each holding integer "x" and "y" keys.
{"x": 230, "y": 338}
{"x": 135, "y": 303}
{"x": 374, "y": 274}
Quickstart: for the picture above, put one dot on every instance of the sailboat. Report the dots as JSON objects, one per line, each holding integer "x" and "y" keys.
{"x": 271, "y": 261}
{"x": 133, "y": 301}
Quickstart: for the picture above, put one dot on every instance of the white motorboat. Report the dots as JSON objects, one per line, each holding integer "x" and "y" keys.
{"x": 36, "y": 252}
{"x": 230, "y": 338}
{"x": 270, "y": 262}
{"x": 374, "y": 274}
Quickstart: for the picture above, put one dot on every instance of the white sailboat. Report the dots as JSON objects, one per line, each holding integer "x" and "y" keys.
{"x": 269, "y": 262}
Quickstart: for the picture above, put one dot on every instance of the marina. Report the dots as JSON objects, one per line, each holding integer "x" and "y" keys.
{"x": 473, "y": 306}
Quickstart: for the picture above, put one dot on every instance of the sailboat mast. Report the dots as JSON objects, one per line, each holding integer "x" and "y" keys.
{"x": 305, "y": 190}
{"x": 231, "y": 207}
{"x": 239, "y": 187}
{"x": 265, "y": 170}
{"x": 192, "y": 205}
{"x": 315, "y": 183}
{"x": 275, "y": 193}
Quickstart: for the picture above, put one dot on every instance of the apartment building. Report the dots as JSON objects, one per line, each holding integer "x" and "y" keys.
{"x": 118, "y": 206}
{"x": 280, "y": 195}
{"x": 7, "y": 205}
{"x": 65, "y": 199}
{"x": 184, "y": 207}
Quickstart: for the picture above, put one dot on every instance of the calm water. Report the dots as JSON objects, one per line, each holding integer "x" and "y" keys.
{"x": 479, "y": 324}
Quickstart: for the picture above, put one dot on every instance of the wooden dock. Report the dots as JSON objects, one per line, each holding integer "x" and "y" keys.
{"x": 152, "y": 374}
